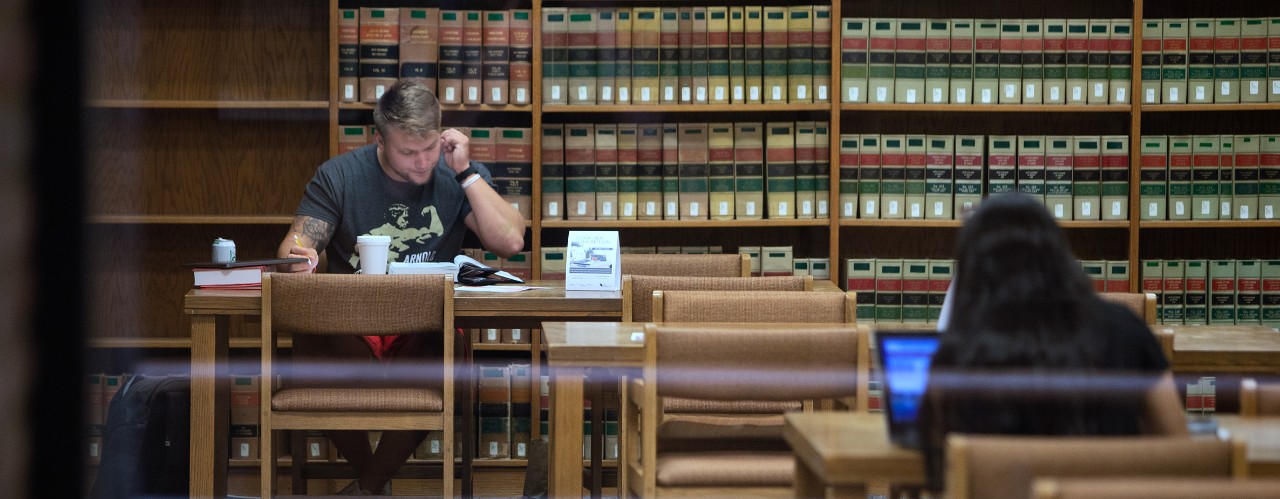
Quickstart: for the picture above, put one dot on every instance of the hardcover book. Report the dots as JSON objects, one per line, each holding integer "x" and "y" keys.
{"x": 627, "y": 171}
{"x": 937, "y": 61}
{"x": 1009, "y": 70}
{"x": 698, "y": 50}
{"x": 670, "y": 171}
{"x": 379, "y": 51}
{"x": 915, "y": 176}
{"x": 1244, "y": 198}
{"x": 1058, "y": 176}
{"x": 514, "y": 155}
{"x": 472, "y": 57}
{"x": 888, "y": 290}
{"x": 1086, "y": 185}
{"x": 1180, "y": 177}
{"x": 1097, "y": 276}
{"x": 1173, "y": 296}
{"x": 1055, "y": 61}
{"x": 1115, "y": 177}
{"x": 1153, "y": 178}
{"x": 1117, "y": 276}
{"x": 496, "y": 58}
{"x": 821, "y": 53}
{"x": 669, "y": 57}
{"x": 881, "y": 59}
{"x": 1031, "y": 173}
{"x": 893, "y": 176}
{"x": 580, "y": 171}
{"x": 1077, "y": 61}
{"x": 848, "y": 198}
{"x": 685, "y": 40}
{"x": 646, "y": 44}
{"x": 780, "y": 170}
{"x": 1151, "y": 281}
{"x": 968, "y": 174}
{"x": 1173, "y": 61}
{"x": 869, "y": 176}
{"x": 553, "y": 264}
{"x": 720, "y": 181}
{"x": 915, "y": 291}
{"x": 555, "y": 55}
{"x": 420, "y": 45}
{"x": 986, "y": 61}
{"x": 553, "y": 172}
{"x": 1200, "y": 61}
{"x": 1099, "y": 61}
{"x": 349, "y": 55}
{"x": 806, "y": 170}
{"x": 939, "y": 170}
{"x": 939, "y": 280}
{"x": 1195, "y": 292}
{"x": 606, "y": 55}
{"x": 1032, "y": 61}
{"x": 753, "y": 53}
{"x": 909, "y": 62}
{"x": 351, "y": 138}
{"x": 853, "y": 60}
{"x": 1253, "y": 60}
{"x": 1226, "y": 176}
{"x": 450, "y": 82}
{"x": 625, "y": 45}
{"x": 1151, "y": 55}
{"x": 1226, "y": 60}
{"x": 1204, "y": 177}
{"x": 606, "y": 179}
{"x": 748, "y": 163}
{"x": 1002, "y": 164}
{"x": 1269, "y": 177}
{"x": 775, "y": 55}
{"x": 1248, "y": 292}
{"x": 860, "y": 278}
{"x": 737, "y": 55}
{"x": 822, "y": 162}
{"x": 582, "y": 56}
{"x": 1269, "y": 311}
{"x": 1273, "y": 60}
{"x": 961, "y": 61}
{"x": 800, "y": 54}
{"x": 1120, "y": 61}
{"x": 521, "y": 58}
{"x": 649, "y": 172}
{"x": 1222, "y": 292}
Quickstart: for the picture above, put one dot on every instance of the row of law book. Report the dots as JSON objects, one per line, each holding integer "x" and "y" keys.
{"x": 98, "y": 391}
{"x": 505, "y": 417}
{"x": 942, "y": 177}
{"x": 1214, "y": 291}
{"x": 686, "y": 55}
{"x": 897, "y": 290}
{"x": 1209, "y": 177}
{"x": 506, "y": 152}
{"x": 466, "y": 56}
{"x": 765, "y": 260}
{"x": 1208, "y": 60}
{"x": 685, "y": 171}
{"x": 986, "y": 61}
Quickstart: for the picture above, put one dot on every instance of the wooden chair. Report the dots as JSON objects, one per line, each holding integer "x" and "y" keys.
{"x": 753, "y": 306}
{"x": 336, "y": 304}
{"x": 1155, "y": 488}
{"x": 1259, "y": 399}
{"x": 637, "y": 290}
{"x": 1004, "y": 467}
{"x": 713, "y": 265}
{"x": 709, "y": 455}
{"x": 1142, "y": 304}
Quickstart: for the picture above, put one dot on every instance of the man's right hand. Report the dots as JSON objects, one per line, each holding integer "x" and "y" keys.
{"x": 303, "y": 240}
{"x": 313, "y": 258}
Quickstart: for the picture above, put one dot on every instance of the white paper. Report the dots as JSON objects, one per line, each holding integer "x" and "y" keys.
{"x": 593, "y": 261}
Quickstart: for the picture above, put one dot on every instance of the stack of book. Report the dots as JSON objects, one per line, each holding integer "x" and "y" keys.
{"x": 1215, "y": 291}
{"x": 898, "y": 290}
{"x": 468, "y": 56}
{"x": 942, "y": 177}
{"x": 986, "y": 61}
{"x": 686, "y": 55}
{"x": 1210, "y": 60}
{"x": 686, "y": 171}
{"x": 1210, "y": 177}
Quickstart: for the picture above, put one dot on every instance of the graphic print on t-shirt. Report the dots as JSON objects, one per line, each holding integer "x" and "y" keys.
{"x": 410, "y": 234}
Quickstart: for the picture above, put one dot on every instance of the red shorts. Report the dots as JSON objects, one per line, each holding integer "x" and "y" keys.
{"x": 384, "y": 347}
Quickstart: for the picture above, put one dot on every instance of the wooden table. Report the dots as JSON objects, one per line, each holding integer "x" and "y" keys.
{"x": 1261, "y": 436}
{"x": 212, "y": 312}
{"x": 1225, "y": 349}
{"x": 839, "y": 453}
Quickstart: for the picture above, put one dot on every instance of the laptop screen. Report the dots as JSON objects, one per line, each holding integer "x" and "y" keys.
{"x": 904, "y": 361}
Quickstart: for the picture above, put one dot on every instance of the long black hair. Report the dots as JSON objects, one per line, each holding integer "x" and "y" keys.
{"x": 1021, "y": 297}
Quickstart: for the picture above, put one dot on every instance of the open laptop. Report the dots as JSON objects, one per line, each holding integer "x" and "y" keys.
{"x": 904, "y": 362}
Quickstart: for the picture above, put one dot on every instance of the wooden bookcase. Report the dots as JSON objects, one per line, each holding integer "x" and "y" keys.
{"x": 206, "y": 119}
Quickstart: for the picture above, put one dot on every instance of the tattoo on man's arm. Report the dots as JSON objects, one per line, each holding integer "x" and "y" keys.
{"x": 318, "y": 231}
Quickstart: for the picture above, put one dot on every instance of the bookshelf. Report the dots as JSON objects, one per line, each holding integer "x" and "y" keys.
{"x": 206, "y": 120}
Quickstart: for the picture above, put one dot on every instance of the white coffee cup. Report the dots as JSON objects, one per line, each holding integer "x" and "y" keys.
{"x": 373, "y": 253}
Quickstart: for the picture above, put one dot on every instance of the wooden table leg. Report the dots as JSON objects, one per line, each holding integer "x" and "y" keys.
{"x": 564, "y": 467}
{"x": 209, "y": 406}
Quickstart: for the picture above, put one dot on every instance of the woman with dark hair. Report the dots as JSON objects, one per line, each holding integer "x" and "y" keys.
{"x": 1031, "y": 349}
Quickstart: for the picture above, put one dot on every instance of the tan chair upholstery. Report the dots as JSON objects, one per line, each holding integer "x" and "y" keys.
{"x": 1259, "y": 399}
{"x": 753, "y": 306}
{"x": 637, "y": 290}
{"x": 1142, "y": 304}
{"x": 713, "y": 265}
{"x": 1155, "y": 488}
{"x": 760, "y": 363}
{"x": 1004, "y": 467}
{"x": 337, "y": 304}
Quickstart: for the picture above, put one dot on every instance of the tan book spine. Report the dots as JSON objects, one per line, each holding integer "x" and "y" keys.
{"x": 669, "y": 58}
{"x": 940, "y": 166}
{"x": 718, "y": 55}
{"x": 893, "y": 176}
{"x": 606, "y": 162}
{"x": 623, "y": 54}
{"x": 670, "y": 171}
{"x": 450, "y": 82}
{"x": 513, "y": 157}
{"x": 822, "y": 166}
{"x": 580, "y": 172}
{"x": 1099, "y": 87}
{"x": 848, "y": 200}
{"x": 472, "y": 57}
{"x": 806, "y": 170}
{"x": 698, "y": 51}
{"x": 800, "y": 53}
{"x": 915, "y": 176}
{"x": 685, "y": 40}
{"x": 646, "y": 33}
{"x": 720, "y": 155}
{"x": 351, "y": 138}
{"x": 496, "y": 59}
{"x": 753, "y": 53}
{"x": 348, "y": 55}
{"x": 780, "y": 170}
{"x": 821, "y": 53}
{"x": 553, "y": 188}
{"x": 521, "y": 92}
{"x": 748, "y": 163}
{"x": 627, "y": 164}
{"x": 420, "y": 45}
{"x": 1115, "y": 177}
{"x": 379, "y": 51}
{"x": 582, "y": 56}
{"x": 606, "y": 55}
{"x": 649, "y": 172}
{"x": 555, "y": 56}
{"x": 737, "y": 55}
{"x": 775, "y": 56}
{"x": 693, "y": 171}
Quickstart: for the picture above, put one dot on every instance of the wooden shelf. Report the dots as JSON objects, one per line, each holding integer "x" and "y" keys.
{"x": 500, "y": 463}
{"x": 685, "y": 108}
{"x": 1254, "y": 106}
{"x": 673, "y": 224}
{"x": 205, "y": 104}
{"x": 192, "y": 219}
{"x": 925, "y": 224}
{"x": 1208, "y": 224}
{"x": 989, "y": 108}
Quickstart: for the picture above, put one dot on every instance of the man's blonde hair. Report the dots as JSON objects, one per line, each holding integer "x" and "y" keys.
{"x": 410, "y": 106}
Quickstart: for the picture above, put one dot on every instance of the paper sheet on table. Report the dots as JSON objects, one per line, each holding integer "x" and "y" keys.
{"x": 495, "y": 289}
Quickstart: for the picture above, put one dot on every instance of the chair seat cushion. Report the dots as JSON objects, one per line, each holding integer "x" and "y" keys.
{"x": 726, "y": 468}
{"x": 358, "y": 400}
{"x": 689, "y": 405}
{"x": 721, "y": 426}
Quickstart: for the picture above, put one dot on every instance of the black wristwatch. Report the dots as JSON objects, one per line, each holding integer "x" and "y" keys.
{"x": 465, "y": 173}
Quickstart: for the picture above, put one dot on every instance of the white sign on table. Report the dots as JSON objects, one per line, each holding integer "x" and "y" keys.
{"x": 593, "y": 261}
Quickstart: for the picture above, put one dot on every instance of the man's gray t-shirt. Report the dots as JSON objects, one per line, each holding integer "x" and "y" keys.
{"x": 426, "y": 223}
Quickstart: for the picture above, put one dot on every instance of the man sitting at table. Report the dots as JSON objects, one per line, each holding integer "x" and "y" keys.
{"x": 416, "y": 184}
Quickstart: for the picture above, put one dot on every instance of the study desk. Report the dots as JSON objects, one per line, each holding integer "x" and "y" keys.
{"x": 1261, "y": 436}
{"x": 212, "y": 312}
{"x": 1225, "y": 349}
{"x": 839, "y": 453}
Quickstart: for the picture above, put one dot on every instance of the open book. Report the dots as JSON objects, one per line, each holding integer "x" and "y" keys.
{"x": 465, "y": 270}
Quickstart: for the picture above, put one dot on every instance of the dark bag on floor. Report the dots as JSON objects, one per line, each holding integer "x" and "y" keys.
{"x": 146, "y": 441}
